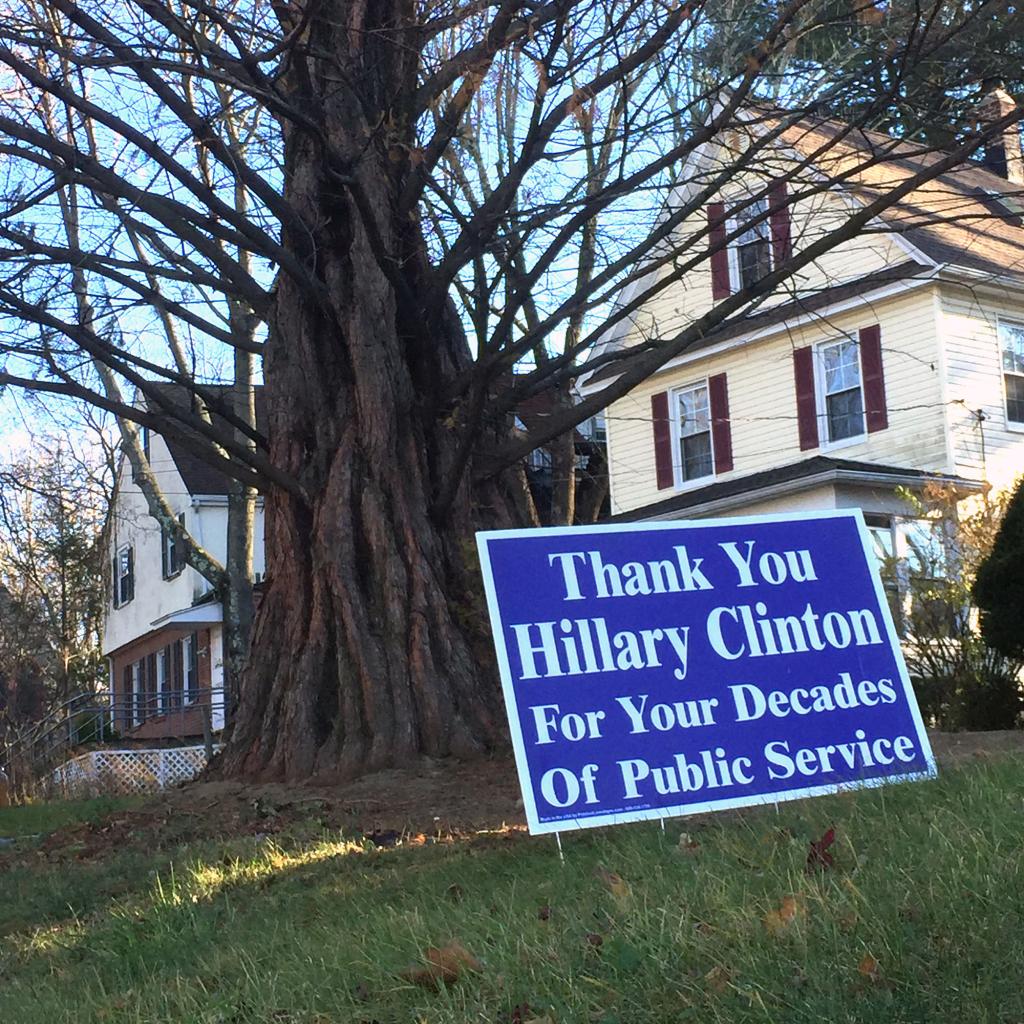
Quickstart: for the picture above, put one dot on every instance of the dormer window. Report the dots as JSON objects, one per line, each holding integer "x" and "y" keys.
{"x": 751, "y": 254}
{"x": 746, "y": 244}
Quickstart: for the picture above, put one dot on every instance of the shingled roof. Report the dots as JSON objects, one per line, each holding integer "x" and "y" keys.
{"x": 198, "y": 476}
{"x": 967, "y": 217}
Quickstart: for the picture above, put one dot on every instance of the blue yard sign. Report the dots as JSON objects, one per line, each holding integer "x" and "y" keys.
{"x": 657, "y": 669}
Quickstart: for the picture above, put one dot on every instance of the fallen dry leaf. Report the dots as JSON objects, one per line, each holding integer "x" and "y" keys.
{"x": 779, "y": 921}
{"x": 719, "y": 978}
{"x": 616, "y": 885}
{"x": 818, "y": 857}
{"x": 442, "y": 966}
{"x": 869, "y": 968}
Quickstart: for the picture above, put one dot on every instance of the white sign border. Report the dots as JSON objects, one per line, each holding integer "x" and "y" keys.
{"x": 538, "y": 827}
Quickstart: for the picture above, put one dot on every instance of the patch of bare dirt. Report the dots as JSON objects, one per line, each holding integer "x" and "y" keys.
{"x": 434, "y": 801}
{"x": 953, "y": 748}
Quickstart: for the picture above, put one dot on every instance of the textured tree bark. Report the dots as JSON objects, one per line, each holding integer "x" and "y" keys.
{"x": 368, "y": 645}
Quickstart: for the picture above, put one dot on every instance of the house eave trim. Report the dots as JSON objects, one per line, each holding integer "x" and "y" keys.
{"x": 217, "y": 500}
{"x": 860, "y": 478}
{"x": 972, "y": 277}
{"x": 209, "y": 614}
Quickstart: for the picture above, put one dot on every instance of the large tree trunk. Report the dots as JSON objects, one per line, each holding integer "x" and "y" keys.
{"x": 367, "y": 647}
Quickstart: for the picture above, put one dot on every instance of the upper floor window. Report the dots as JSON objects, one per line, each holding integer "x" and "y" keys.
{"x": 1011, "y": 341}
{"x": 124, "y": 575}
{"x": 693, "y": 416}
{"x": 840, "y": 389}
{"x": 752, "y": 253}
{"x": 840, "y": 394}
{"x": 746, "y": 244}
{"x": 692, "y": 432}
{"x": 171, "y": 554}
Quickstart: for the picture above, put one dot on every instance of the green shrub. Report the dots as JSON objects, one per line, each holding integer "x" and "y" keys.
{"x": 999, "y": 585}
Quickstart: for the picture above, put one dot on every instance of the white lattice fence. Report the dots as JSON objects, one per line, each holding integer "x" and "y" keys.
{"x": 128, "y": 771}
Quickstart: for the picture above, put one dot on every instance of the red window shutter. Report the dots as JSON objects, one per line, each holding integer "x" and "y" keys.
{"x": 662, "y": 440}
{"x": 721, "y": 429}
{"x": 720, "y": 288}
{"x": 782, "y": 244}
{"x": 806, "y": 402}
{"x": 875, "y": 411}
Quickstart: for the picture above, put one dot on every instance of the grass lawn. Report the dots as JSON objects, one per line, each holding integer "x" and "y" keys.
{"x": 921, "y": 918}
{"x": 38, "y": 819}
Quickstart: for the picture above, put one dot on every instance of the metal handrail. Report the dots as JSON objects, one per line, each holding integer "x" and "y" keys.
{"x": 88, "y": 718}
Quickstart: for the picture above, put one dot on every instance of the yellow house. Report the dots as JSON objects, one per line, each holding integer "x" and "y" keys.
{"x": 894, "y": 359}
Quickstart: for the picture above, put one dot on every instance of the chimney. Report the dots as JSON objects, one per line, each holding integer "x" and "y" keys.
{"x": 1003, "y": 152}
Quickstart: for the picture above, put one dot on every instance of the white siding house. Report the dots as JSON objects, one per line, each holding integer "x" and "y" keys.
{"x": 163, "y": 635}
{"x": 895, "y": 360}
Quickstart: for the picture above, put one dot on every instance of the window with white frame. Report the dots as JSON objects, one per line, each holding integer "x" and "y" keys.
{"x": 171, "y": 550}
{"x": 912, "y": 559}
{"x": 162, "y": 680}
{"x": 751, "y": 253}
{"x": 123, "y": 575}
{"x": 883, "y": 547}
{"x": 840, "y": 391}
{"x": 1011, "y": 341}
{"x": 137, "y": 695}
{"x": 190, "y": 667}
{"x": 694, "y": 455}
